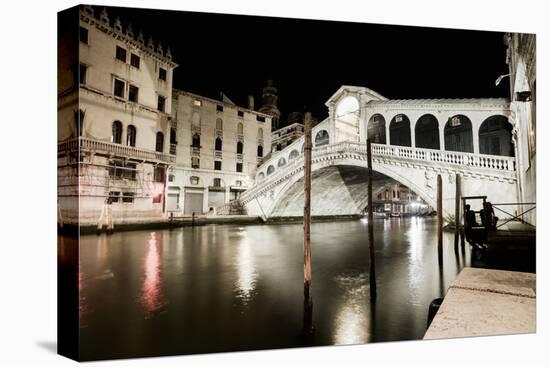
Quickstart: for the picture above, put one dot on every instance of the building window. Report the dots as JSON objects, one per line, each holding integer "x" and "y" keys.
{"x": 217, "y": 182}
{"x": 173, "y": 141}
{"x": 82, "y": 73}
{"x": 160, "y": 103}
{"x": 196, "y": 141}
{"x": 239, "y": 167}
{"x": 131, "y": 136}
{"x": 130, "y": 171}
{"x": 171, "y": 178}
{"x": 117, "y": 132}
{"x": 240, "y": 113}
{"x": 119, "y": 88}
{"x": 128, "y": 197}
{"x": 260, "y": 118}
{"x": 239, "y": 148}
{"x": 194, "y": 180}
{"x": 162, "y": 74}
{"x": 114, "y": 196}
{"x": 159, "y": 144}
{"x": 195, "y": 162}
{"x": 83, "y": 35}
{"x": 218, "y": 165}
{"x": 79, "y": 122}
{"x": 218, "y": 145}
{"x": 119, "y": 169}
{"x": 134, "y": 60}
{"x": 159, "y": 174}
{"x": 197, "y": 102}
{"x": 219, "y": 108}
{"x": 260, "y": 151}
{"x": 133, "y": 93}
{"x": 240, "y": 128}
{"x": 121, "y": 54}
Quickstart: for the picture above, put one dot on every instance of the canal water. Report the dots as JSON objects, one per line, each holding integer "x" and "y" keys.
{"x": 221, "y": 288}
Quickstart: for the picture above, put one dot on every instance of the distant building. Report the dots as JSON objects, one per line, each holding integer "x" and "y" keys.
{"x": 218, "y": 148}
{"x": 283, "y": 137}
{"x": 395, "y": 198}
{"x": 521, "y": 59}
{"x": 114, "y": 128}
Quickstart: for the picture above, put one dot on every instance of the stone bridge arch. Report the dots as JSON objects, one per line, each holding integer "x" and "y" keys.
{"x": 415, "y": 168}
{"x": 286, "y": 193}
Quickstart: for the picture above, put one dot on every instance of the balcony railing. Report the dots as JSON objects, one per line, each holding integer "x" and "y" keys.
{"x": 195, "y": 151}
{"x": 219, "y": 133}
{"x": 119, "y": 150}
{"x": 173, "y": 148}
{"x": 239, "y": 157}
{"x": 218, "y": 154}
{"x": 240, "y": 137}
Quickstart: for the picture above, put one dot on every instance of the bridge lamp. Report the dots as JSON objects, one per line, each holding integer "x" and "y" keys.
{"x": 499, "y": 79}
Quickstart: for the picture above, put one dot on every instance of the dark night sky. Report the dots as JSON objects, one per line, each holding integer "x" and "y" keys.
{"x": 309, "y": 60}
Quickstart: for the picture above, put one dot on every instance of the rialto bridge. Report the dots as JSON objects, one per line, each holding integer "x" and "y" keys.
{"x": 413, "y": 142}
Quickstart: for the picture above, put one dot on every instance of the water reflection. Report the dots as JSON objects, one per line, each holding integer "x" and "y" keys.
{"x": 82, "y": 307}
{"x": 247, "y": 275}
{"x": 151, "y": 297}
{"x": 415, "y": 251}
{"x": 352, "y": 320}
{"x": 226, "y": 287}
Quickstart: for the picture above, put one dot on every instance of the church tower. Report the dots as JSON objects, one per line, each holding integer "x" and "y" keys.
{"x": 269, "y": 99}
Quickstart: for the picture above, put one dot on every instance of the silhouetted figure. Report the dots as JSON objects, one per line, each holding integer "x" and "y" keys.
{"x": 469, "y": 222}
{"x": 470, "y": 217}
{"x": 489, "y": 216}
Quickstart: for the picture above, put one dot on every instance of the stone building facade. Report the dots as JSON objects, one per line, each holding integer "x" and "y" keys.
{"x": 218, "y": 148}
{"x": 521, "y": 58}
{"x": 114, "y": 124}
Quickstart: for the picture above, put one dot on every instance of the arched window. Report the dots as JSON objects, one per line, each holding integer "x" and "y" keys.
{"x": 219, "y": 124}
{"x": 458, "y": 134}
{"x": 131, "y": 136}
{"x": 261, "y": 176}
{"x": 426, "y": 132}
{"x": 159, "y": 145}
{"x": 218, "y": 145}
{"x": 117, "y": 132}
{"x": 376, "y": 129}
{"x": 239, "y": 148}
{"x": 79, "y": 122}
{"x": 321, "y": 138}
{"x": 240, "y": 128}
{"x": 293, "y": 155}
{"x": 282, "y": 162}
{"x": 270, "y": 170}
{"x": 260, "y": 151}
{"x": 400, "y": 131}
{"x": 260, "y": 133}
{"x": 196, "y": 141}
{"x": 495, "y": 137}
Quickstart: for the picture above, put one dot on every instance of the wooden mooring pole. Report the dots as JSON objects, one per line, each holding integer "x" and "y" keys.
{"x": 439, "y": 220}
{"x": 372, "y": 271}
{"x": 308, "y": 301}
{"x": 458, "y": 195}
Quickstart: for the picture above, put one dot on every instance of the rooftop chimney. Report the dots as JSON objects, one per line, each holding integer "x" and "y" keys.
{"x": 251, "y": 102}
